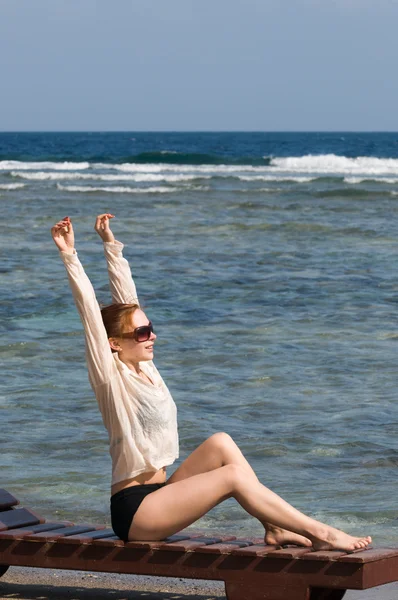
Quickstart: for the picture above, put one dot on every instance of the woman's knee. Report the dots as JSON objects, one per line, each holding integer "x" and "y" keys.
{"x": 235, "y": 477}
{"x": 221, "y": 440}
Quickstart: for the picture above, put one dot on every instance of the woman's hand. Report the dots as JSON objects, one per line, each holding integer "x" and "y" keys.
{"x": 63, "y": 235}
{"x": 102, "y": 227}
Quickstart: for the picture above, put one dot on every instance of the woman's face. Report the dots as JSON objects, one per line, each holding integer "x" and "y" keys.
{"x": 130, "y": 350}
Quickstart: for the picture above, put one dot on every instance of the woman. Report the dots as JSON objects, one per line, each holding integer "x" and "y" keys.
{"x": 140, "y": 416}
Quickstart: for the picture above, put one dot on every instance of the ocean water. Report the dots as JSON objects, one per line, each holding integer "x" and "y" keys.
{"x": 268, "y": 264}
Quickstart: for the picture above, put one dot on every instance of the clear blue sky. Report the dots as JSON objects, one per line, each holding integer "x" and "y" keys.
{"x": 198, "y": 65}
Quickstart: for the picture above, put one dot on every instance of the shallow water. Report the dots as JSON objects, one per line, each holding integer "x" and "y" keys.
{"x": 273, "y": 287}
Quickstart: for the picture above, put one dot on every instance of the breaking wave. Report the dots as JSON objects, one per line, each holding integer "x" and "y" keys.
{"x": 117, "y": 189}
{"x": 330, "y": 163}
{"x": 8, "y": 165}
{"x": 325, "y": 164}
{"x": 11, "y": 186}
{"x": 276, "y": 178}
{"x": 138, "y": 177}
{"x": 192, "y": 158}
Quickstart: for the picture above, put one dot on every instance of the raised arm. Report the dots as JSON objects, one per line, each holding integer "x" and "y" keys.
{"x": 120, "y": 280}
{"x": 100, "y": 363}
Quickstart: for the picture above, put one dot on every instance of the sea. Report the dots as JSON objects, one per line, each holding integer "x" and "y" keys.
{"x": 268, "y": 263}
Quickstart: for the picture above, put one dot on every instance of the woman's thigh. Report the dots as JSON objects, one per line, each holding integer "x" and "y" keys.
{"x": 179, "y": 504}
{"x": 215, "y": 452}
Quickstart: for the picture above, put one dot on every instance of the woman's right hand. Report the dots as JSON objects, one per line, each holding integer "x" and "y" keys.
{"x": 63, "y": 235}
{"x": 102, "y": 227}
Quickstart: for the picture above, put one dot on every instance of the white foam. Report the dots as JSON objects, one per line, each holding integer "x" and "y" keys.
{"x": 354, "y": 180}
{"x": 171, "y": 178}
{"x": 117, "y": 189}
{"x": 138, "y": 177}
{"x": 12, "y": 186}
{"x": 159, "y": 168}
{"x": 310, "y": 166}
{"x": 45, "y": 176}
{"x": 330, "y": 163}
{"x": 262, "y": 189}
{"x": 7, "y": 165}
{"x": 391, "y": 180}
{"x": 276, "y": 178}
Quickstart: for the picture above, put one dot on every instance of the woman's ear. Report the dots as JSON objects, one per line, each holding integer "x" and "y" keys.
{"x": 114, "y": 344}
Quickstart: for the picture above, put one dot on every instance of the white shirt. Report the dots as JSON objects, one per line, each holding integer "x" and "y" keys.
{"x": 141, "y": 417}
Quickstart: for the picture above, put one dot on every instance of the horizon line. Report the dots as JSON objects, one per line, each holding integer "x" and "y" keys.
{"x": 104, "y": 131}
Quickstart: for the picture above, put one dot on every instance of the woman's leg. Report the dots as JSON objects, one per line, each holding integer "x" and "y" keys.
{"x": 180, "y": 504}
{"x": 218, "y": 451}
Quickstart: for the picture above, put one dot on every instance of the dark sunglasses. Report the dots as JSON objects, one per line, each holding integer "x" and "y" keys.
{"x": 140, "y": 334}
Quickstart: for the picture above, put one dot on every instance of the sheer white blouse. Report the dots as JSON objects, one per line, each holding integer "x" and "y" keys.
{"x": 140, "y": 417}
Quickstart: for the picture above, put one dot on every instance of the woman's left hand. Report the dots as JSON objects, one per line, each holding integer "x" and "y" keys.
{"x": 102, "y": 227}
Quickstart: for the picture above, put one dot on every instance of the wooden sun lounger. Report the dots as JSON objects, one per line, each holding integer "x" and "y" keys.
{"x": 250, "y": 569}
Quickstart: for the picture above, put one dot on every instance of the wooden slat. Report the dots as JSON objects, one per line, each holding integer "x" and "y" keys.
{"x": 110, "y": 541}
{"x": 193, "y": 543}
{"x": 289, "y": 553}
{"x": 51, "y": 536}
{"x": 255, "y": 540}
{"x": 183, "y": 535}
{"x": 7, "y": 500}
{"x": 17, "y": 534}
{"x": 19, "y": 517}
{"x": 144, "y": 545}
{"x": 364, "y": 556}
{"x": 88, "y": 537}
{"x": 228, "y": 547}
{"x": 255, "y": 550}
{"x": 326, "y": 555}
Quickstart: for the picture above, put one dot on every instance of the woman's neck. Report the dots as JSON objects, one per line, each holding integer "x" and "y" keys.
{"x": 133, "y": 366}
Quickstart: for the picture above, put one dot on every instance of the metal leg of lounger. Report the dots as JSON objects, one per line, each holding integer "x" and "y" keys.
{"x": 3, "y": 569}
{"x": 243, "y": 591}
{"x": 326, "y": 594}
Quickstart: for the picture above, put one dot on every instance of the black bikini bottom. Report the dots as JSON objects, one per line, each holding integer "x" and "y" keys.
{"x": 124, "y": 505}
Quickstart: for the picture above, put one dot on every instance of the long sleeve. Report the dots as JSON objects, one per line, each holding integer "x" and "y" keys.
{"x": 120, "y": 280}
{"x": 100, "y": 362}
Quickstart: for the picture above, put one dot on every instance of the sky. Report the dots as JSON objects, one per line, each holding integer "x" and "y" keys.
{"x": 192, "y": 65}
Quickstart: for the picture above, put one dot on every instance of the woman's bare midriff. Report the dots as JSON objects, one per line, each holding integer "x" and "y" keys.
{"x": 141, "y": 479}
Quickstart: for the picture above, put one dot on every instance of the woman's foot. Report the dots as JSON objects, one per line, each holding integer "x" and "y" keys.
{"x": 334, "y": 539}
{"x": 275, "y": 536}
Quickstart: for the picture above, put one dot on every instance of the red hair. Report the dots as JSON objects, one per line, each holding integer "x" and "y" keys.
{"x": 117, "y": 318}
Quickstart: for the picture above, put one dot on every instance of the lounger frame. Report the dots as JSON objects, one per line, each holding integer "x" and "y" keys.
{"x": 250, "y": 569}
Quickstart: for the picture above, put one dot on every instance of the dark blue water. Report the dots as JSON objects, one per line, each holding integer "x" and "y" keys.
{"x": 191, "y": 148}
{"x": 267, "y": 263}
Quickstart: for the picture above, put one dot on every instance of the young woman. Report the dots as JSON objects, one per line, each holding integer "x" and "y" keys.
{"x": 140, "y": 416}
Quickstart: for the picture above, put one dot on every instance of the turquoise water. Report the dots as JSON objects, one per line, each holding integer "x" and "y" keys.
{"x": 267, "y": 263}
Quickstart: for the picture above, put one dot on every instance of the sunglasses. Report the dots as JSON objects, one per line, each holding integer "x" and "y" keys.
{"x": 140, "y": 334}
